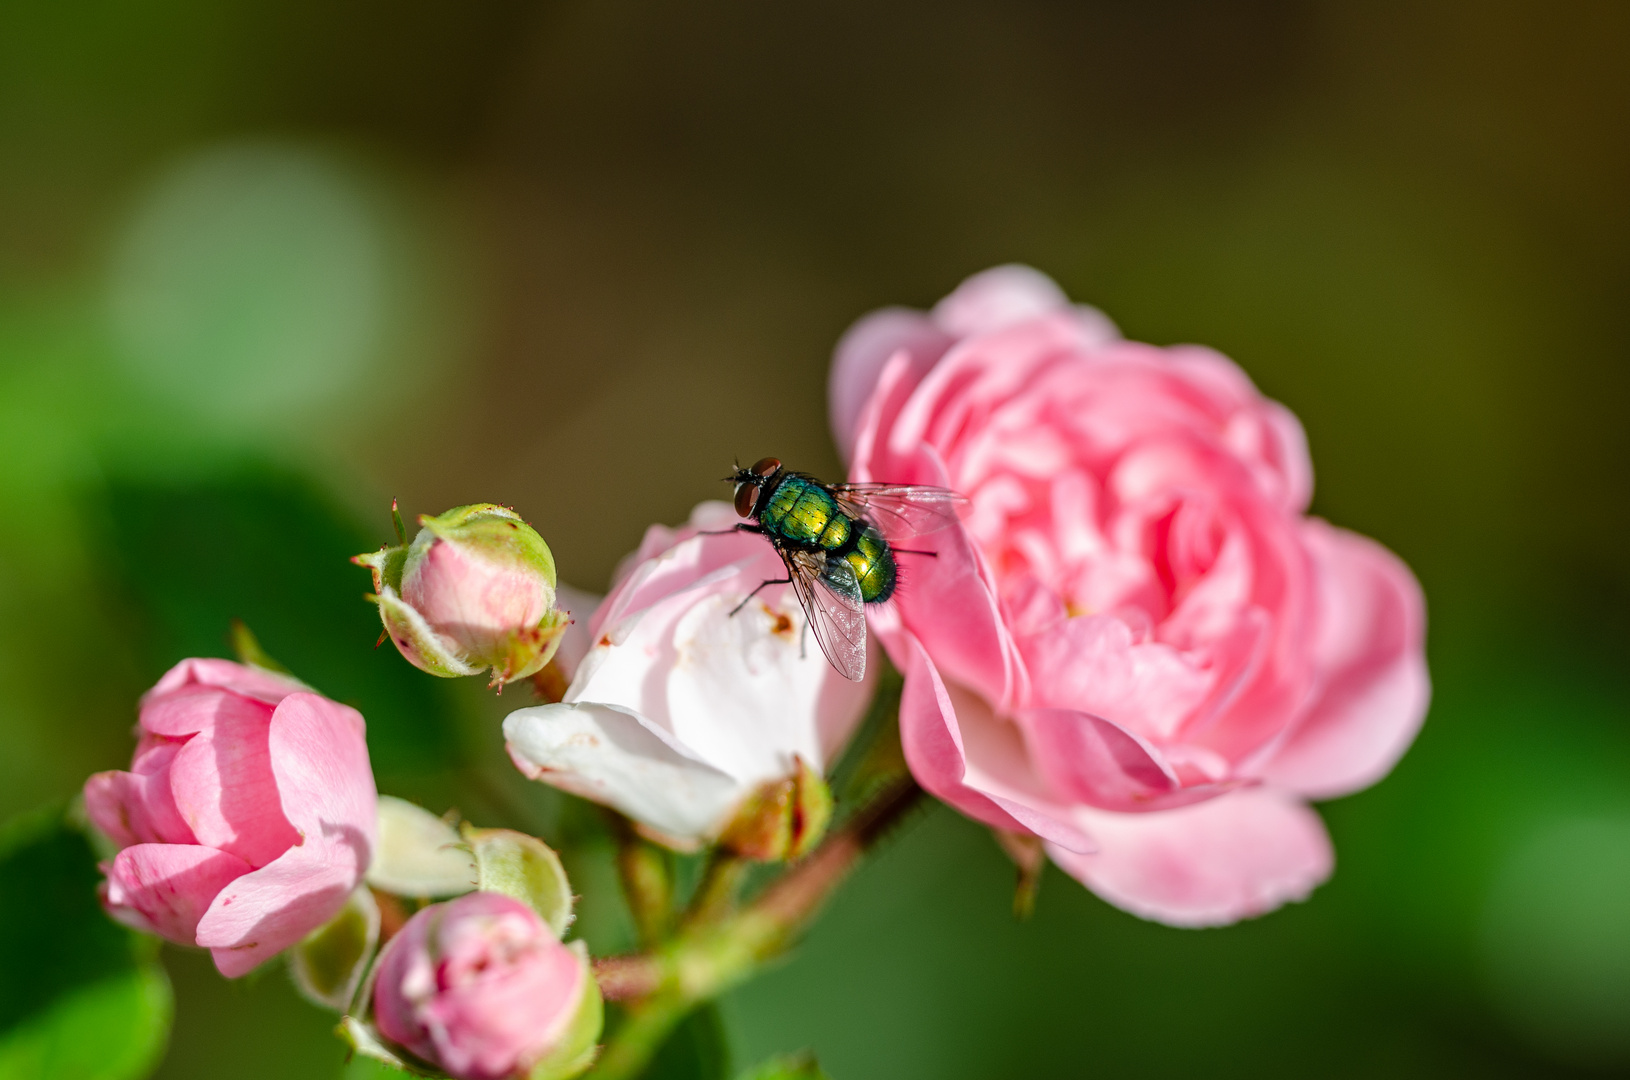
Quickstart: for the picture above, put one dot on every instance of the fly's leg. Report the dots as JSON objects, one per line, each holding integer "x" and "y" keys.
{"x": 771, "y": 581}
{"x": 757, "y": 530}
{"x": 908, "y": 551}
{"x": 803, "y": 640}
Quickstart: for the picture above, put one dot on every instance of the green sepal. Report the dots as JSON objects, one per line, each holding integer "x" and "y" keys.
{"x": 1029, "y": 860}
{"x": 492, "y": 531}
{"x": 248, "y": 650}
{"x": 419, "y": 854}
{"x": 579, "y": 1044}
{"x": 328, "y": 964}
{"x": 529, "y": 650}
{"x": 414, "y": 638}
{"x": 363, "y": 1039}
{"x": 387, "y": 564}
{"x": 782, "y": 819}
{"x": 523, "y": 867}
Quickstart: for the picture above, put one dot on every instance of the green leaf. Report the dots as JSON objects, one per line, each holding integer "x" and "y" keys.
{"x": 112, "y": 1029}
{"x": 699, "y": 1049}
{"x": 81, "y": 998}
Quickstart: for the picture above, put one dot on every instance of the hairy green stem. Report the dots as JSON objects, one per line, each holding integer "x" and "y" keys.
{"x": 715, "y": 893}
{"x": 647, "y": 882}
{"x": 702, "y": 962}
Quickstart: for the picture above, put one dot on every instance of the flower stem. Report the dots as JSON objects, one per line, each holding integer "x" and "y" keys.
{"x": 647, "y": 882}
{"x": 715, "y": 893}
{"x": 707, "y": 960}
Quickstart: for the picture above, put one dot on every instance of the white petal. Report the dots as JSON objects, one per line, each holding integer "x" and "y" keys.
{"x": 615, "y": 756}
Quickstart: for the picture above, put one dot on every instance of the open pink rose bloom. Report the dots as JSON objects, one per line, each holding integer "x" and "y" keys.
{"x": 1139, "y": 649}
{"x": 479, "y": 987}
{"x": 247, "y": 816}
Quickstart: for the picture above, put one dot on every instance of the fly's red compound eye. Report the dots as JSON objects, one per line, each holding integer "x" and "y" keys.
{"x": 765, "y": 466}
{"x": 746, "y": 499}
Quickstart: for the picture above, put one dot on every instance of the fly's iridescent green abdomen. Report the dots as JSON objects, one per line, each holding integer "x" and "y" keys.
{"x": 801, "y": 511}
{"x": 873, "y": 563}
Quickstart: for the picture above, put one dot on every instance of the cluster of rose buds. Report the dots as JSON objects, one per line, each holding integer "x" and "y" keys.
{"x": 249, "y": 825}
{"x": 1134, "y": 653}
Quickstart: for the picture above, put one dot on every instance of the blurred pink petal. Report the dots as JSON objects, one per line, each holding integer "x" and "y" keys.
{"x": 244, "y": 679}
{"x": 263, "y": 912}
{"x": 194, "y": 707}
{"x": 223, "y": 785}
{"x": 1369, "y": 647}
{"x": 1091, "y": 760}
{"x": 319, "y": 756}
{"x": 138, "y": 807}
{"x": 861, "y": 354}
{"x": 171, "y": 885}
{"x": 1234, "y": 857}
{"x": 996, "y": 298}
{"x": 932, "y": 737}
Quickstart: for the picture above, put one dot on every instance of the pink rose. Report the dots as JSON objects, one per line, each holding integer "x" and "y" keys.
{"x": 480, "y": 988}
{"x": 679, "y": 709}
{"x": 1139, "y": 649}
{"x": 247, "y": 816}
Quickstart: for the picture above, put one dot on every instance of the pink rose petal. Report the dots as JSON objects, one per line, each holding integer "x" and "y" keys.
{"x": 138, "y": 807}
{"x": 171, "y": 885}
{"x": 1237, "y": 856}
{"x": 263, "y": 912}
{"x": 1370, "y": 653}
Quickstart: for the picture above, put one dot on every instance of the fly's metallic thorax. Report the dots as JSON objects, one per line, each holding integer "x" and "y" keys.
{"x": 801, "y": 511}
{"x": 873, "y": 563}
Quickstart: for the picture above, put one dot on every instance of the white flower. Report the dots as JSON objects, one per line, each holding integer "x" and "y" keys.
{"x": 680, "y": 709}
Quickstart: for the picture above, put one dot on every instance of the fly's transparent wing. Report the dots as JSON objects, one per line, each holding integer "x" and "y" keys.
{"x": 837, "y": 616}
{"x": 901, "y": 510}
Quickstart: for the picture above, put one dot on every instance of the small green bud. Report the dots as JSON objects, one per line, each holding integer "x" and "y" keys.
{"x": 525, "y": 868}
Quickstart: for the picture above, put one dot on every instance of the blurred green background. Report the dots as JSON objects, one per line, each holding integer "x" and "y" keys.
{"x": 265, "y": 265}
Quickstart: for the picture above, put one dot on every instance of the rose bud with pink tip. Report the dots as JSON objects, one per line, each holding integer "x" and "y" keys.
{"x": 475, "y": 590}
{"x": 480, "y": 988}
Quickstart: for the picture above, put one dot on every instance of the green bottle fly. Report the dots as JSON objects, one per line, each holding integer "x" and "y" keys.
{"x": 837, "y": 557}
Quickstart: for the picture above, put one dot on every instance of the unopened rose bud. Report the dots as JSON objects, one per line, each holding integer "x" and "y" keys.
{"x": 474, "y": 590}
{"x": 783, "y": 819}
{"x": 480, "y": 988}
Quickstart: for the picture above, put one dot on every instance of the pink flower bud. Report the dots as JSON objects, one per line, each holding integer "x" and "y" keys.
{"x": 480, "y": 987}
{"x": 475, "y": 590}
{"x": 247, "y": 816}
